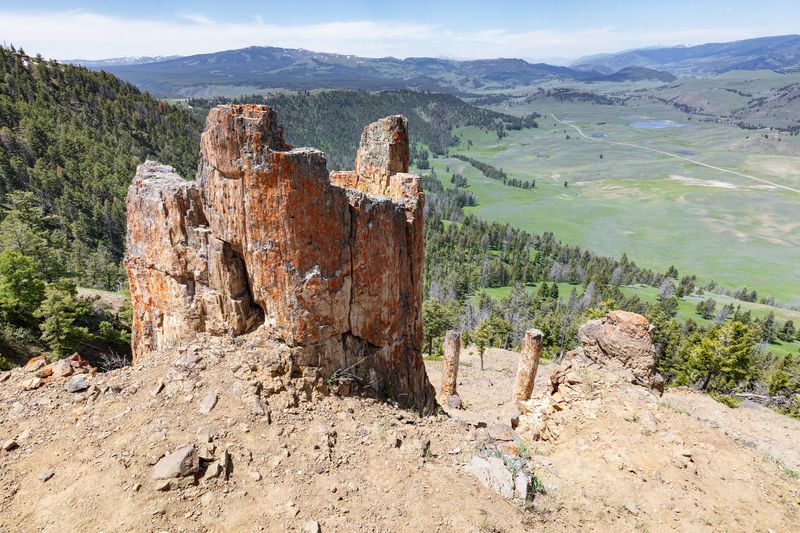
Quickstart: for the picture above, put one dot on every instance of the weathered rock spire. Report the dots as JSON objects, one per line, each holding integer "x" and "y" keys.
{"x": 266, "y": 240}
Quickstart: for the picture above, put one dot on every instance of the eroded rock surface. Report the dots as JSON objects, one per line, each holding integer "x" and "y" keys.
{"x": 623, "y": 338}
{"x": 266, "y": 240}
{"x": 616, "y": 358}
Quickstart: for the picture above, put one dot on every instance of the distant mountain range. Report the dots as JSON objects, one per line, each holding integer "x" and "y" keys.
{"x": 127, "y": 60}
{"x": 255, "y": 69}
{"x": 777, "y": 52}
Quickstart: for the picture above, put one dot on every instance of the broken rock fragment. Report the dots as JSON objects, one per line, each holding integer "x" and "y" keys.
{"x": 180, "y": 463}
{"x": 77, "y": 384}
{"x": 208, "y": 403}
{"x": 492, "y": 472}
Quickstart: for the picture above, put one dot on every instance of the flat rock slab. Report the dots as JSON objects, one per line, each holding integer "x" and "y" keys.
{"x": 492, "y": 472}
{"x": 503, "y": 432}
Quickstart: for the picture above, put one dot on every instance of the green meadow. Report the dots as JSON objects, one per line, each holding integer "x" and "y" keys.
{"x": 660, "y": 210}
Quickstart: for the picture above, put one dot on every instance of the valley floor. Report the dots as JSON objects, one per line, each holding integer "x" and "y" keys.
{"x": 721, "y": 206}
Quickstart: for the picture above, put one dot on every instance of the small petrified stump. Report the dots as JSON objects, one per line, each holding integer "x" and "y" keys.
{"x": 528, "y": 364}
{"x": 452, "y": 353}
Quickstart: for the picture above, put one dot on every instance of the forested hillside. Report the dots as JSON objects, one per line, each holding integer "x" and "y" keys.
{"x": 333, "y": 120}
{"x": 72, "y": 138}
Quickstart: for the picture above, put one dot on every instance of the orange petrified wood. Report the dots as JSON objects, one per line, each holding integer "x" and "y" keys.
{"x": 266, "y": 240}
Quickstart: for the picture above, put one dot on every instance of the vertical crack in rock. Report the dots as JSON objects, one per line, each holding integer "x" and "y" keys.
{"x": 249, "y": 305}
{"x": 267, "y": 242}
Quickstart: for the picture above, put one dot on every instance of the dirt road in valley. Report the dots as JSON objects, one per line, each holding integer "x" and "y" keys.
{"x": 675, "y": 156}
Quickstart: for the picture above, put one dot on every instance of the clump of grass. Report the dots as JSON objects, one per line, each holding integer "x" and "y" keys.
{"x": 495, "y": 453}
{"x": 727, "y": 400}
{"x": 537, "y": 486}
{"x": 791, "y": 474}
{"x": 673, "y": 407}
{"x": 333, "y": 380}
{"x": 486, "y": 525}
{"x": 524, "y": 452}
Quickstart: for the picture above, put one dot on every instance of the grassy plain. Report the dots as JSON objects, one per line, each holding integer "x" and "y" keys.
{"x": 659, "y": 210}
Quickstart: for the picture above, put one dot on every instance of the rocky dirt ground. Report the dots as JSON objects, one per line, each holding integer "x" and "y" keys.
{"x": 271, "y": 461}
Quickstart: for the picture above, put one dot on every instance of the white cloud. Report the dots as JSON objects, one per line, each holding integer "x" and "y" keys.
{"x": 197, "y": 18}
{"x": 88, "y": 35}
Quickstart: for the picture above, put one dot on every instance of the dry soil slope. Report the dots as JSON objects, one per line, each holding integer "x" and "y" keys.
{"x": 359, "y": 465}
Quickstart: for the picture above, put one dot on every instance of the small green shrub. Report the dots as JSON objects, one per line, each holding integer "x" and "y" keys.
{"x": 727, "y": 400}
{"x": 537, "y": 486}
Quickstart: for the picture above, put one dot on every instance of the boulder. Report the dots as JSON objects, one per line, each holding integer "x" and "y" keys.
{"x": 77, "y": 384}
{"x": 623, "y": 338}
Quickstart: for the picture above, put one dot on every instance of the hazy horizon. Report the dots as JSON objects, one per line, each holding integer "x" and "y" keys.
{"x": 534, "y": 31}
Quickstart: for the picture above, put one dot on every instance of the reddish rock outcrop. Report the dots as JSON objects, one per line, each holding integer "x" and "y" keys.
{"x": 267, "y": 240}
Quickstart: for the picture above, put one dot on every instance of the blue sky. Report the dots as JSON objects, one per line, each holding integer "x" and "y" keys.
{"x": 538, "y": 30}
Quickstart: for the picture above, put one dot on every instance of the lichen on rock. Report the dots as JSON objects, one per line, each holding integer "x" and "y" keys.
{"x": 267, "y": 242}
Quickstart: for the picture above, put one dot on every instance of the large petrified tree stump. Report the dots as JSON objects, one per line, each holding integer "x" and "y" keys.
{"x": 265, "y": 241}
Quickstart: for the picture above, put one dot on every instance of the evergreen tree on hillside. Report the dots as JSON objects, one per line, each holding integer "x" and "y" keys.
{"x": 21, "y": 288}
{"x": 59, "y": 312}
{"x": 70, "y": 139}
{"x": 705, "y": 308}
{"x": 787, "y": 332}
{"x": 724, "y": 358}
{"x": 436, "y": 320}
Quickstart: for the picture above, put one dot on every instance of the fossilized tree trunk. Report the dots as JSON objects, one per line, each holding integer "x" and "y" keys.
{"x": 452, "y": 352}
{"x": 528, "y": 364}
{"x": 265, "y": 239}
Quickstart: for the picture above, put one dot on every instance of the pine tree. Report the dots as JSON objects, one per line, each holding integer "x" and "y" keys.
{"x": 787, "y": 333}
{"x": 21, "y": 287}
{"x": 436, "y": 320}
{"x": 724, "y": 357}
{"x": 59, "y": 312}
{"x": 767, "y": 328}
